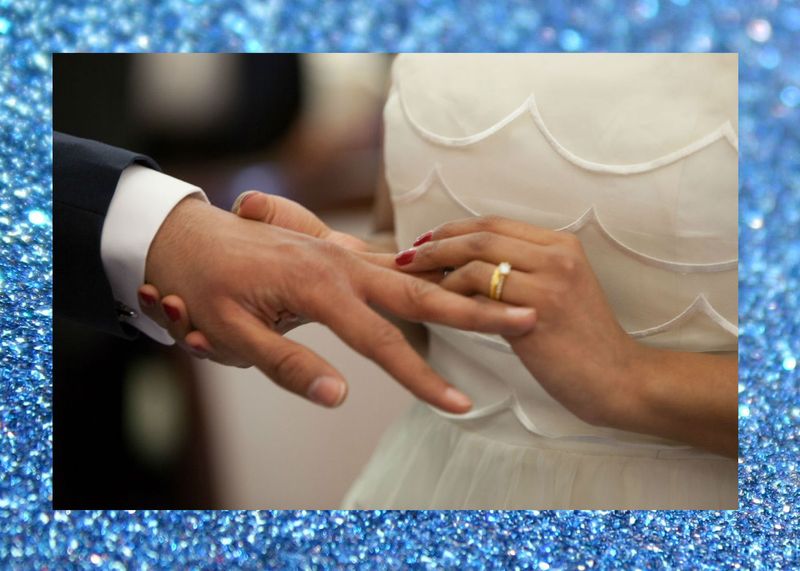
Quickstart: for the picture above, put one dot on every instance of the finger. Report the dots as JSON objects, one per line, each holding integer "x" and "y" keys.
{"x": 199, "y": 345}
{"x": 289, "y": 364}
{"x": 418, "y": 300}
{"x": 196, "y": 343}
{"x": 177, "y": 316}
{"x": 484, "y": 246}
{"x": 149, "y": 297}
{"x": 254, "y": 205}
{"x": 495, "y": 225}
{"x": 378, "y": 340}
{"x": 194, "y": 350}
{"x": 475, "y": 279}
{"x": 388, "y": 261}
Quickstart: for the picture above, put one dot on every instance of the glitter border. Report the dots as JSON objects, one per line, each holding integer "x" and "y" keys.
{"x": 766, "y": 35}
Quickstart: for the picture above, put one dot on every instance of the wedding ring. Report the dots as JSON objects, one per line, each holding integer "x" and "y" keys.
{"x": 498, "y": 279}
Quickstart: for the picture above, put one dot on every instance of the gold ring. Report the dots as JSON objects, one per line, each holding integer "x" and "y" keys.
{"x": 499, "y": 276}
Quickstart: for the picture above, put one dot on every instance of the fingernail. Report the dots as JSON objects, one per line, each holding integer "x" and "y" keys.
{"x": 147, "y": 299}
{"x": 327, "y": 391}
{"x": 172, "y": 312}
{"x": 423, "y": 238}
{"x": 198, "y": 351}
{"x": 520, "y": 311}
{"x": 241, "y": 199}
{"x": 405, "y": 257}
{"x": 457, "y": 398}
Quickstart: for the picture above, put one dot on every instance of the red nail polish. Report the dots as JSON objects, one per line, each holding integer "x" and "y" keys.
{"x": 424, "y": 238}
{"x": 172, "y": 312}
{"x": 147, "y": 299}
{"x": 405, "y": 257}
{"x": 198, "y": 351}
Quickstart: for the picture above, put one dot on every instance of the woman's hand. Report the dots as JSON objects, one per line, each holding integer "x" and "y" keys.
{"x": 577, "y": 351}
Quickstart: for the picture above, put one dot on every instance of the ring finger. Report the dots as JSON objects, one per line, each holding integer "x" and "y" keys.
{"x": 476, "y": 278}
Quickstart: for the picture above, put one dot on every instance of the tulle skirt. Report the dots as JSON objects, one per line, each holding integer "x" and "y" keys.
{"x": 425, "y": 461}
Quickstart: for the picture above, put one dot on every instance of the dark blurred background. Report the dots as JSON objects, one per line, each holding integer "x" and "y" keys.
{"x": 133, "y": 425}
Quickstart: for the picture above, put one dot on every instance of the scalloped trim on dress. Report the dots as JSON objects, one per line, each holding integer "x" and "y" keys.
{"x": 724, "y": 131}
{"x": 510, "y": 402}
{"x": 590, "y": 216}
{"x": 699, "y": 305}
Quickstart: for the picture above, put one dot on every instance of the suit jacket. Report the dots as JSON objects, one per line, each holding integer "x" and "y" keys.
{"x": 85, "y": 175}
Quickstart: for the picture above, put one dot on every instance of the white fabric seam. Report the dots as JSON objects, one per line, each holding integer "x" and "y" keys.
{"x": 724, "y": 131}
{"x": 589, "y": 216}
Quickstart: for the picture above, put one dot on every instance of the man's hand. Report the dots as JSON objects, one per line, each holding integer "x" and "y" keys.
{"x": 171, "y": 313}
{"x": 239, "y": 276}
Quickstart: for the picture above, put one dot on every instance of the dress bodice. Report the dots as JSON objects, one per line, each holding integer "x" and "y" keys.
{"x": 635, "y": 153}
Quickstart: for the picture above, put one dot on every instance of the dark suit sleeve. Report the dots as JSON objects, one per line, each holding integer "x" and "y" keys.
{"x": 85, "y": 176}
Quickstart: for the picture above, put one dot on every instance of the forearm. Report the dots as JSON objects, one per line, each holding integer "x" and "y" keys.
{"x": 688, "y": 397}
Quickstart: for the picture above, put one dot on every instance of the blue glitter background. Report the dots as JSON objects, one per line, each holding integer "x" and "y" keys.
{"x": 761, "y": 534}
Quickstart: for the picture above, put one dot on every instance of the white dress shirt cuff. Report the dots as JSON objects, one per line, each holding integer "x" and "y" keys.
{"x": 141, "y": 202}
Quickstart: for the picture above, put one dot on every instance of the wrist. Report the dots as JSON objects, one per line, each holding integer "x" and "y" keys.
{"x": 631, "y": 392}
{"x": 176, "y": 237}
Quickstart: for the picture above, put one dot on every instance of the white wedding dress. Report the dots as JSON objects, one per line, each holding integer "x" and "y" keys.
{"x": 637, "y": 155}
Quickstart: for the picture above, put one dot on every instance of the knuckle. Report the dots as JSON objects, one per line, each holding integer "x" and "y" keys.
{"x": 383, "y": 338}
{"x": 329, "y": 249}
{"x": 443, "y": 230}
{"x": 322, "y": 264}
{"x": 564, "y": 261}
{"x": 428, "y": 251}
{"x": 480, "y": 242}
{"x": 324, "y": 273}
{"x": 226, "y": 317}
{"x": 288, "y": 367}
{"x": 324, "y": 256}
{"x": 473, "y": 271}
{"x": 418, "y": 292}
{"x": 568, "y": 264}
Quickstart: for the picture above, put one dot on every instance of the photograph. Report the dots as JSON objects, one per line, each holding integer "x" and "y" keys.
{"x": 417, "y": 281}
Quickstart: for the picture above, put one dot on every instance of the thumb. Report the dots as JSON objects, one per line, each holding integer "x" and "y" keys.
{"x": 279, "y": 211}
